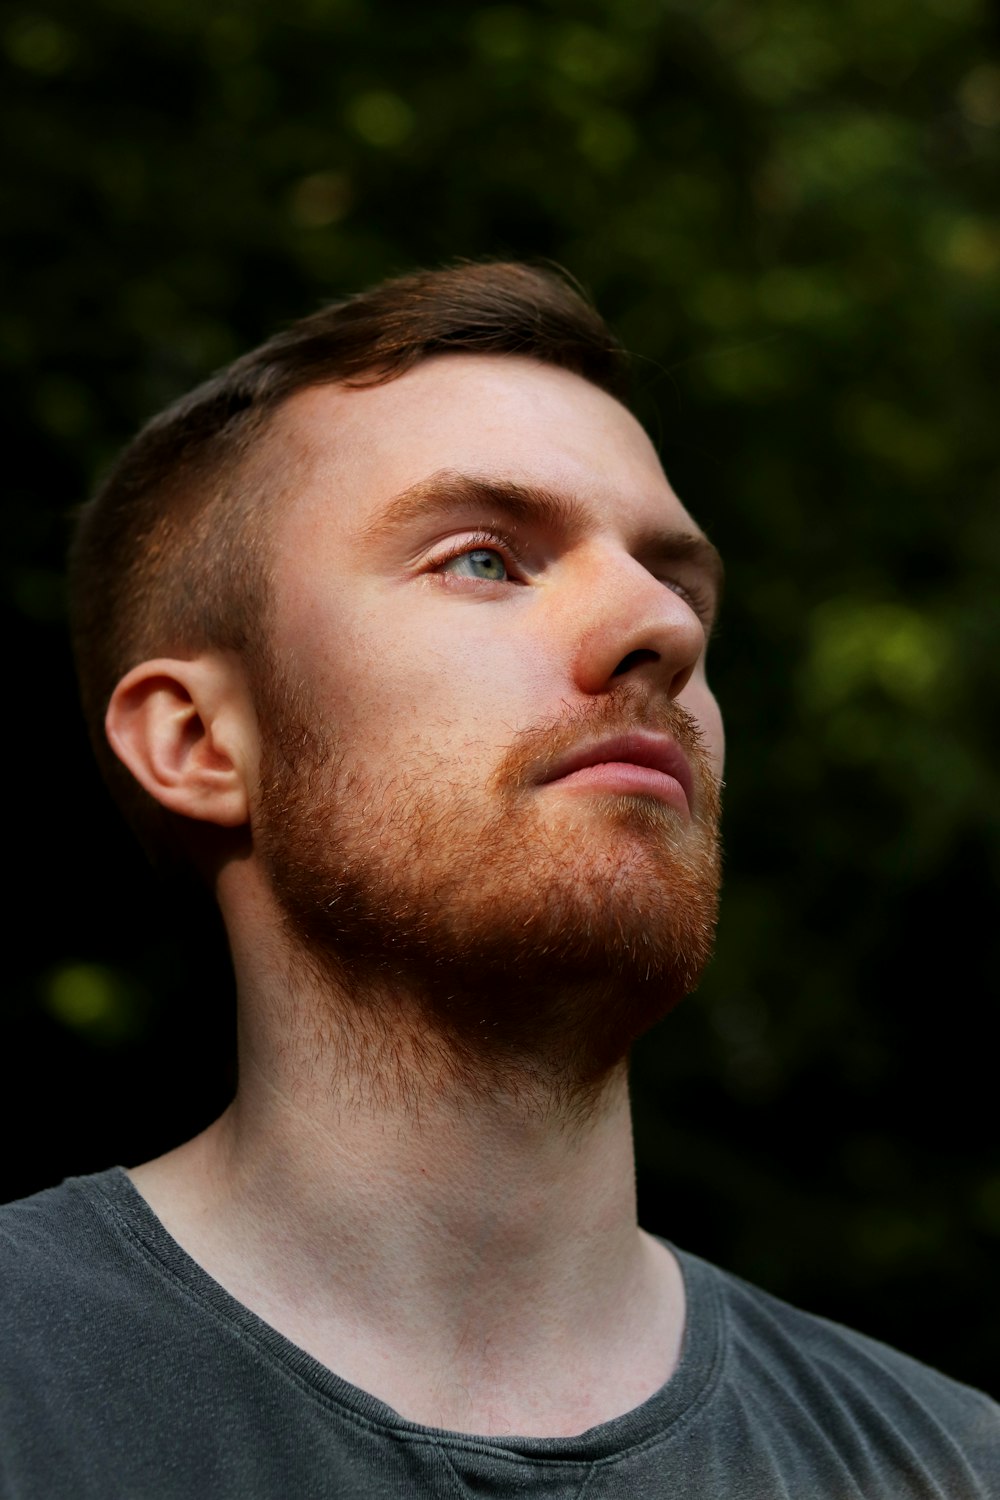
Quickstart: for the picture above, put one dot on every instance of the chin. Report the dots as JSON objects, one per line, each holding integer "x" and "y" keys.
{"x": 534, "y": 941}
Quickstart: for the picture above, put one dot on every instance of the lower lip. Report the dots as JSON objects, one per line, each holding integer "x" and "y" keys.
{"x": 623, "y": 777}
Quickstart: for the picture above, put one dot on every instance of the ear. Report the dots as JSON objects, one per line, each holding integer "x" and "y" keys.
{"x": 186, "y": 732}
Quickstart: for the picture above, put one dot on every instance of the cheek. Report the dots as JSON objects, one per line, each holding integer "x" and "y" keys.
{"x": 428, "y": 682}
{"x": 406, "y": 685}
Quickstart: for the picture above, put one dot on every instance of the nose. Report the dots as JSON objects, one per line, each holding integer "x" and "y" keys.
{"x": 634, "y": 625}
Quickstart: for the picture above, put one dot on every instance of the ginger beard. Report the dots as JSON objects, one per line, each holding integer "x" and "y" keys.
{"x": 511, "y": 933}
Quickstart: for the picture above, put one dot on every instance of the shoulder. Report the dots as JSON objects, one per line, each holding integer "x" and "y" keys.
{"x": 32, "y": 1226}
{"x": 54, "y": 1245}
{"x": 40, "y": 1228}
{"x": 761, "y": 1323}
{"x": 860, "y": 1393}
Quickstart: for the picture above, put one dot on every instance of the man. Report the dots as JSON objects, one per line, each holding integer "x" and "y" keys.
{"x": 397, "y": 632}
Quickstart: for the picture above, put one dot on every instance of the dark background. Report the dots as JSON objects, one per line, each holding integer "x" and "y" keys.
{"x": 789, "y": 211}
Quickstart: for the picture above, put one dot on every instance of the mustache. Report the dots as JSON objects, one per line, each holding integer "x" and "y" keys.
{"x": 625, "y": 709}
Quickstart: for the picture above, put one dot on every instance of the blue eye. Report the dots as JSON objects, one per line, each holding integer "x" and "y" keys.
{"x": 486, "y": 558}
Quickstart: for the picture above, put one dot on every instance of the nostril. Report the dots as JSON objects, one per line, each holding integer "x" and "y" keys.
{"x": 633, "y": 659}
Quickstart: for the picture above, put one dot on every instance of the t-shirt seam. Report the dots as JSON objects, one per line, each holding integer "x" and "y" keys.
{"x": 588, "y": 1467}
{"x": 587, "y": 1480}
{"x": 454, "y": 1477}
{"x": 327, "y": 1401}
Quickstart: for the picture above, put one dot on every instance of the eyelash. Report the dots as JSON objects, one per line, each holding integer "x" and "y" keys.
{"x": 496, "y": 541}
{"x": 698, "y": 599}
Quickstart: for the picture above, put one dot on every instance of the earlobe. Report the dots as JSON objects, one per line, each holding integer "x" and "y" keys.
{"x": 179, "y": 727}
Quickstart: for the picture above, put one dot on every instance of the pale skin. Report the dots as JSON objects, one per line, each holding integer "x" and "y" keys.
{"x": 478, "y": 1269}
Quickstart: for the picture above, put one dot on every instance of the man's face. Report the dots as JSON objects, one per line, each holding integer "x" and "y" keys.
{"x": 484, "y": 569}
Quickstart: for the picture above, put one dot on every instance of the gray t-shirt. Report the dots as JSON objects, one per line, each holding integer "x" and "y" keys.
{"x": 127, "y": 1373}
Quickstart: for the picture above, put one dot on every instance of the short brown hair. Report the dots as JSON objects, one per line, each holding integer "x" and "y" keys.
{"x": 170, "y": 555}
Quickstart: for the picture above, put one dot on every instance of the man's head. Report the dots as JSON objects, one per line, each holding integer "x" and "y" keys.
{"x": 449, "y": 580}
{"x": 172, "y": 554}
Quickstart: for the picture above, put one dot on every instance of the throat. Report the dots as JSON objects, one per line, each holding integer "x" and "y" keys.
{"x": 475, "y": 1271}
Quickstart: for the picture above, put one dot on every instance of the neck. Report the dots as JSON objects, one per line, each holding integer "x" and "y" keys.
{"x": 470, "y": 1256}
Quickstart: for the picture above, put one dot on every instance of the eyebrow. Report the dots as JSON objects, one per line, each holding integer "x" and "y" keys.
{"x": 530, "y": 505}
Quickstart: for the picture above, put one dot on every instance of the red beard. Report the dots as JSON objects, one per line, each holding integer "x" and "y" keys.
{"x": 504, "y": 935}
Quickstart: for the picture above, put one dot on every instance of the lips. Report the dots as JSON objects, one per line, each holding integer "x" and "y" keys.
{"x": 654, "y": 751}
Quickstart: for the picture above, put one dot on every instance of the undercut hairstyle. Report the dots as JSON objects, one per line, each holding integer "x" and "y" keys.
{"x": 171, "y": 555}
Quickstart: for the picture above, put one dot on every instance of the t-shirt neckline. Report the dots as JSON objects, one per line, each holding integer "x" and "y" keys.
{"x": 660, "y": 1417}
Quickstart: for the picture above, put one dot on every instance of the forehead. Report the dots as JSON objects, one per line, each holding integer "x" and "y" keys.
{"x": 499, "y": 417}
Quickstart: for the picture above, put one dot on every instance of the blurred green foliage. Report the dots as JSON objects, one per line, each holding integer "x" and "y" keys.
{"x": 789, "y": 211}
